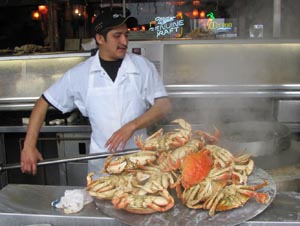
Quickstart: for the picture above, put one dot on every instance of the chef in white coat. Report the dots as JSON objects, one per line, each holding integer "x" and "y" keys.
{"x": 121, "y": 93}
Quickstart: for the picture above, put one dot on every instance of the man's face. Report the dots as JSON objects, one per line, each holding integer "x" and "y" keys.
{"x": 115, "y": 45}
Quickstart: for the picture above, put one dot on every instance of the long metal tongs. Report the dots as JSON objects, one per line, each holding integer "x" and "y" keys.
{"x": 72, "y": 159}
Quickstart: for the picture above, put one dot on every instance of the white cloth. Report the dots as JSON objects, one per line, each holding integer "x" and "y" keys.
{"x": 73, "y": 201}
{"x": 109, "y": 105}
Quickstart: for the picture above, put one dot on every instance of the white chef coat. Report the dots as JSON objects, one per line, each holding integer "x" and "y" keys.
{"x": 109, "y": 105}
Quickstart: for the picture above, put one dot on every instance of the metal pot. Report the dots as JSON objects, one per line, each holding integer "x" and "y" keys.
{"x": 256, "y": 137}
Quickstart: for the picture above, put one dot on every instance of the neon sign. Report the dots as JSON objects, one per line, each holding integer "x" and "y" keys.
{"x": 213, "y": 24}
{"x": 211, "y": 16}
{"x": 167, "y": 26}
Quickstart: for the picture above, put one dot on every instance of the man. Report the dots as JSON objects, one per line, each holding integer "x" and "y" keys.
{"x": 120, "y": 92}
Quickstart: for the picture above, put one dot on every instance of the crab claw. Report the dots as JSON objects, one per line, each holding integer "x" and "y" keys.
{"x": 209, "y": 138}
{"x": 184, "y": 124}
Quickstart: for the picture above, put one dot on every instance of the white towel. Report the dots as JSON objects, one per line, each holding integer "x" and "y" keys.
{"x": 73, "y": 201}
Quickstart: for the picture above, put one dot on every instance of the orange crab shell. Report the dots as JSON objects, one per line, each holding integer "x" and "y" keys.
{"x": 195, "y": 167}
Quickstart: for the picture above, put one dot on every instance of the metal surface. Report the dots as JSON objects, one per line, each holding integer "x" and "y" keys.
{"x": 280, "y": 212}
{"x": 31, "y": 204}
{"x": 24, "y": 78}
{"x": 23, "y": 204}
{"x": 47, "y": 56}
{"x": 238, "y": 90}
{"x": 255, "y": 137}
{"x": 288, "y": 111}
{"x": 181, "y": 215}
{"x": 49, "y": 129}
{"x": 276, "y": 18}
{"x": 231, "y": 63}
{"x": 72, "y": 159}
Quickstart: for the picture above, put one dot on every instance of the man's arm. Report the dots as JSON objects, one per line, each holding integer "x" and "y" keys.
{"x": 160, "y": 108}
{"x": 30, "y": 155}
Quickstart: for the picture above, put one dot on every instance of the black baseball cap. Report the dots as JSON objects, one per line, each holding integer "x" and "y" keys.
{"x": 110, "y": 17}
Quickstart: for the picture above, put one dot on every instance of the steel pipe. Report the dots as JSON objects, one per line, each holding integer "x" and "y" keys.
{"x": 72, "y": 159}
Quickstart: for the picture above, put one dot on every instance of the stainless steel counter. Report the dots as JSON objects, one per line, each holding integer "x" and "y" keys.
{"x": 281, "y": 91}
{"x": 48, "y": 129}
{"x": 31, "y": 204}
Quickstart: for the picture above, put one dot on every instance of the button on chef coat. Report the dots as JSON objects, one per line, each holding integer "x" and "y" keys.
{"x": 109, "y": 105}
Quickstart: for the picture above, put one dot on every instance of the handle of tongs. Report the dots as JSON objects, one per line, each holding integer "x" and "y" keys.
{"x": 72, "y": 159}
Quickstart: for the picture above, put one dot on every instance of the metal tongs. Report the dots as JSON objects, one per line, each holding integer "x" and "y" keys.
{"x": 72, "y": 159}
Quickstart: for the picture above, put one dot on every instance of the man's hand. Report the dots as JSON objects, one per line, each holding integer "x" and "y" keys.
{"x": 161, "y": 107}
{"x": 120, "y": 137}
{"x": 30, "y": 155}
{"x": 29, "y": 159}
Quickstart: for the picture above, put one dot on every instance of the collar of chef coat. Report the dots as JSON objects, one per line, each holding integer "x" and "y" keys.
{"x": 127, "y": 64}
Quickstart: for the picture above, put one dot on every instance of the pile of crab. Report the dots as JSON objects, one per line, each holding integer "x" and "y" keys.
{"x": 204, "y": 175}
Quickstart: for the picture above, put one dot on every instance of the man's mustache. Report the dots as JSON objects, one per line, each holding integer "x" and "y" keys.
{"x": 123, "y": 47}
